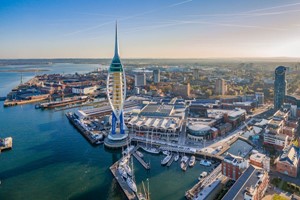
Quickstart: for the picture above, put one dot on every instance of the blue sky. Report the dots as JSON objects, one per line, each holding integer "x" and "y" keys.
{"x": 149, "y": 28}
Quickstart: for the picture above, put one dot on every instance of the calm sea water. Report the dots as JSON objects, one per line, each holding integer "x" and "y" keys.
{"x": 51, "y": 160}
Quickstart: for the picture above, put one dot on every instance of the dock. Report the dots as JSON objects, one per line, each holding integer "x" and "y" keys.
{"x": 5, "y": 144}
{"x": 190, "y": 194}
{"x": 171, "y": 161}
{"x": 141, "y": 161}
{"x": 123, "y": 184}
{"x": 83, "y": 132}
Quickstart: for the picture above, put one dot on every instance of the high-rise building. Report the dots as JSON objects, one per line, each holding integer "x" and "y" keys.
{"x": 279, "y": 87}
{"x": 116, "y": 94}
{"x": 196, "y": 74}
{"x": 140, "y": 79}
{"x": 156, "y": 76}
{"x": 220, "y": 87}
{"x": 182, "y": 90}
{"x": 260, "y": 97}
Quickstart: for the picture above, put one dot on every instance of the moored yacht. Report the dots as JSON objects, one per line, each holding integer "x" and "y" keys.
{"x": 127, "y": 169}
{"x": 192, "y": 161}
{"x": 152, "y": 150}
{"x": 131, "y": 184}
{"x": 176, "y": 157}
{"x": 122, "y": 172}
{"x": 166, "y": 152}
{"x": 202, "y": 175}
{"x": 140, "y": 154}
{"x": 205, "y": 163}
{"x": 166, "y": 159}
{"x": 184, "y": 162}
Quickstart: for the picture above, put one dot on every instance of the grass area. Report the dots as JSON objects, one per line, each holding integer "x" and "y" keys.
{"x": 286, "y": 186}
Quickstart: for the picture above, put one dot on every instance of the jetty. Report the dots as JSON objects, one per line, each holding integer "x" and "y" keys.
{"x": 141, "y": 161}
{"x": 6, "y": 144}
{"x": 80, "y": 128}
{"x": 192, "y": 193}
{"x": 123, "y": 184}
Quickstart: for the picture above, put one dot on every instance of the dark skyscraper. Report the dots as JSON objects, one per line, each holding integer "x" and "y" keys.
{"x": 279, "y": 87}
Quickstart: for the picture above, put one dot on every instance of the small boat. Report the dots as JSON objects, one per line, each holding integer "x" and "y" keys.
{"x": 151, "y": 150}
{"x": 184, "y": 161}
{"x": 128, "y": 149}
{"x": 202, "y": 175}
{"x": 124, "y": 160}
{"x": 192, "y": 161}
{"x": 131, "y": 184}
{"x": 205, "y": 163}
{"x": 127, "y": 169}
{"x": 183, "y": 166}
{"x": 166, "y": 152}
{"x": 140, "y": 154}
{"x": 166, "y": 159}
{"x": 176, "y": 157}
{"x": 122, "y": 172}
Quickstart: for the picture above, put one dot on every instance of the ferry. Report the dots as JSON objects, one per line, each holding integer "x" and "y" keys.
{"x": 151, "y": 150}
{"x": 192, "y": 161}
{"x": 122, "y": 172}
{"x": 131, "y": 184}
{"x": 166, "y": 159}
{"x": 205, "y": 163}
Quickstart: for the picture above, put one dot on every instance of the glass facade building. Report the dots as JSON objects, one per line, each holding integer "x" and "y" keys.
{"x": 279, "y": 87}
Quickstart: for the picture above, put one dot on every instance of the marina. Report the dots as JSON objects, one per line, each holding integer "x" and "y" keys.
{"x": 141, "y": 161}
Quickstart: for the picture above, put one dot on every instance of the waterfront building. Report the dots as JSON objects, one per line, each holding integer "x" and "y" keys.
{"x": 280, "y": 86}
{"x": 260, "y": 160}
{"x": 220, "y": 87}
{"x": 116, "y": 94}
{"x": 287, "y": 163}
{"x": 234, "y": 166}
{"x": 251, "y": 185}
{"x": 156, "y": 76}
{"x": 84, "y": 90}
{"x": 140, "y": 79}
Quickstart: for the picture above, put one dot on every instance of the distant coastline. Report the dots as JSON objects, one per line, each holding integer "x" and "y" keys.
{"x": 24, "y": 70}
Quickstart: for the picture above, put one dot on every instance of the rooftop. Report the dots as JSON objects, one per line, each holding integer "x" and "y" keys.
{"x": 290, "y": 154}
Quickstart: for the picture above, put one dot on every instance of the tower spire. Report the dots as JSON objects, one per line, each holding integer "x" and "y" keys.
{"x": 116, "y": 42}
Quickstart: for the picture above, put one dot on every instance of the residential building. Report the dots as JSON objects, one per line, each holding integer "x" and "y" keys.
{"x": 182, "y": 90}
{"x": 288, "y": 162}
{"x": 220, "y": 87}
{"x": 139, "y": 79}
{"x": 251, "y": 185}
{"x": 234, "y": 166}
{"x": 84, "y": 90}
{"x": 156, "y": 76}
{"x": 280, "y": 86}
{"x": 260, "y": 160}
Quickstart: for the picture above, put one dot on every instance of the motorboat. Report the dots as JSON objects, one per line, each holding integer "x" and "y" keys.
{"x": 152, "y": 150}
{"x": 127, "y": 169}
{"x": 166, "y": 159}
{"x": 184, "y": 163}
{"x": 176, "y": 157}
{"x": 131, "y": 184}
{"x": 192, "y": 161}
{"x": 205, "y": 163}
{"x": 128, "y": 149}
{"x": 202, "y": 175}
{"x": 140, "y": 154}
{"x": 122, "y": 172}
{"x": 166, "y": 152}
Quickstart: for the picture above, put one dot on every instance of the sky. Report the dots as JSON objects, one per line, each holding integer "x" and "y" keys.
{"x": 149, "y": 28}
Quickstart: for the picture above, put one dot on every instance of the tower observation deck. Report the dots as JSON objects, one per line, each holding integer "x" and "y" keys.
{"x": 116, "y": 94}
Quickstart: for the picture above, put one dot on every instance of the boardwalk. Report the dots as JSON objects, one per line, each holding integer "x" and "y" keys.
{"x": 123, "y": 184}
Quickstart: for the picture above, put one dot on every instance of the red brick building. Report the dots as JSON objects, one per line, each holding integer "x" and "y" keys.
{"x": 233, "y": 166}
{"x": 287, "y": 163}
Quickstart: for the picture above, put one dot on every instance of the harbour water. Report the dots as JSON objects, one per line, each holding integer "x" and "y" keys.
{"x": 51, "y": 160}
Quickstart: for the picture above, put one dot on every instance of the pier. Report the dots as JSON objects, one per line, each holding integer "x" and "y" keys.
{"x": 5, "y": 144}
{"x": 141, "y": 161}
{"x": 123, "y": 184}
{"x": 83, "y": 132}
{"x": 193, "y": 192}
